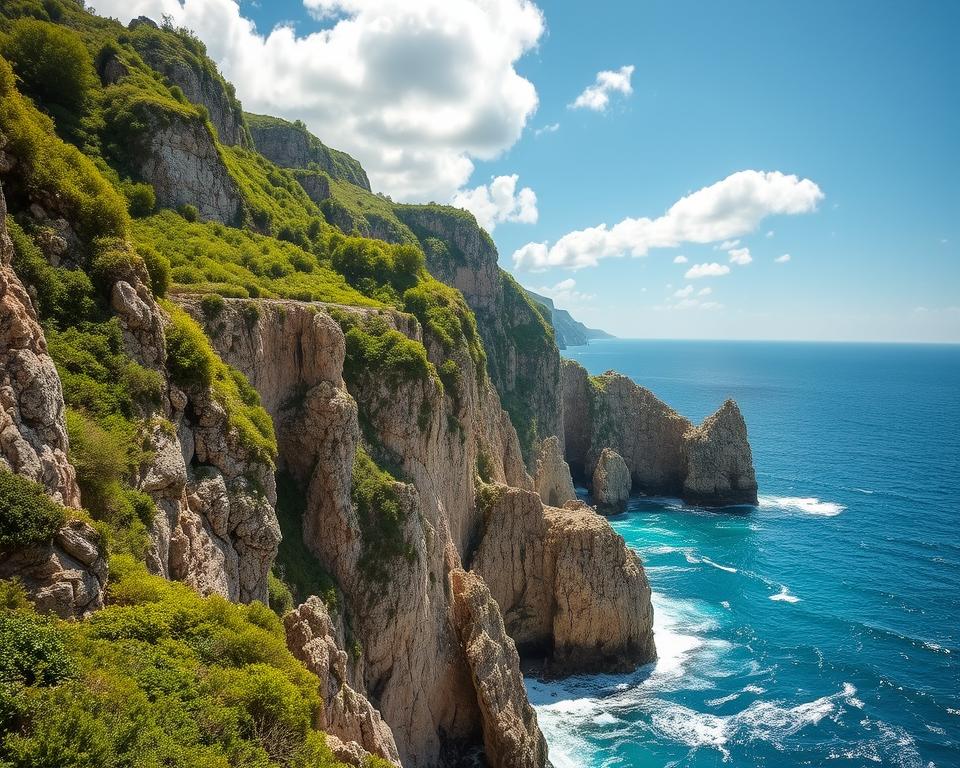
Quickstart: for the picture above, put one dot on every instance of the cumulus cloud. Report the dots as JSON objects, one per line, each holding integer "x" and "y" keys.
{"x": 740, "y": 256}
{"x": 680, "y": 259}
{"x": 415, "y": 90}
{"x": 711, "y": 269}
{"x": 782, "y": 259}
{"x": 551, "y": 128}
{"x": 499, "y": 201}
{"x": 596, "y": 97}
{"x": 705, "y": 291}
{"x": 565, "y": 293}
{"x": 683, "y": 293}
{"x": 730, "y": 208}
{"x": 726, "y": 245}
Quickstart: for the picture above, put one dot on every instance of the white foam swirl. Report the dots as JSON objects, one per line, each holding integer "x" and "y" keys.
{"x": 810, "y": 505}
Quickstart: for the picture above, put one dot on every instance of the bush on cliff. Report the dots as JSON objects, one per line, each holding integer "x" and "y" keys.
{"x": 379, "y": 353}
{"x": 160, "y": 677}
{"x": 27, "y": 515}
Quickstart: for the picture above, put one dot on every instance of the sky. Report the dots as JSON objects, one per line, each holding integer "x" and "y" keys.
{"x": 661, "y": 168}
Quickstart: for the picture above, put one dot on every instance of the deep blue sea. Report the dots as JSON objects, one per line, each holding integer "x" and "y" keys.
{"x": 821, "y": 628}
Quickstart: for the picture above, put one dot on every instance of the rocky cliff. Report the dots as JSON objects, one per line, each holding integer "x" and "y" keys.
{"x": 711, "y": 464}
{"x": 291, "y": 145}
{"x": 573, "y": 596}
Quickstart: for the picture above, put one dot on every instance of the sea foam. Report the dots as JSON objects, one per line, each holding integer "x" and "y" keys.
{"x": 810, "y": 505}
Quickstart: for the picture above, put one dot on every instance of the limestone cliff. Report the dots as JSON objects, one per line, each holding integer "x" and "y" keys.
{"x": 572, "y": 594}
{"x": 711, "y": 464}
{"x": 291, "y": 145}
{"x": 611, "y": 481}
{"x": 414, "y": 670}
{"x": 182, "y": 60}
{"x": 568, "y": 332}
{"x": 552, "y": 480}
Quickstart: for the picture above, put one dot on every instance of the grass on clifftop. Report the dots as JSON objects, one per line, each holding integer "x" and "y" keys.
{"x": 161, "y": 677}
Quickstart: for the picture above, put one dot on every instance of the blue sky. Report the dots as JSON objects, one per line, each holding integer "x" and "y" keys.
{"x": 861, "y": 98}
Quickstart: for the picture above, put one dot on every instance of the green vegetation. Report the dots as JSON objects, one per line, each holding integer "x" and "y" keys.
{"x": 379, "y": 353}
{"x": 354, "y": 209}
{"x": 192, "y": 361}
{"x": 381, "y": 514}
{"x": 211, "y": 258}
{"x": 27, "y": 515}
{"x": 50, "y": 169}
{"x": 162, "y": 677}
{"x": 296, "y": 567}
{"x": 378, "y": 269}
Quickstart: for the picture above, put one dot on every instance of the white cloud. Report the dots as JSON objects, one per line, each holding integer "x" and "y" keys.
{"x": 565, "y": 293}
{"x": 705, "y": 291}
{"x": 597, "y": 96}
{"x": 499, "y": 201}
{"x": 707, "y": 270}
{"x": 690, "y": 303}
{"x": 551, "y": 128}
{"x": 683, "y": 293}
{"x": 770, "y": 233}
{"x": 727, "y": 209}
{"x": 740, "y": 256}
{"x": 680, "y": 260}
{"x": 726, "y": 245}
{"x": 415, "y": 90}
{"x": 782, "y": 259}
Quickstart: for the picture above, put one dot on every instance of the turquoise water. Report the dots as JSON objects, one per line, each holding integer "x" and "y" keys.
{"x": 823, "y": 626}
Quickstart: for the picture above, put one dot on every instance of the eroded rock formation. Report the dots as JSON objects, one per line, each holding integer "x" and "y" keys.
{"x": 571, "y": 592}
{"x": 552, "y": 480}
{"x": 611, "y": 481}
{"x": 711, "y": 464}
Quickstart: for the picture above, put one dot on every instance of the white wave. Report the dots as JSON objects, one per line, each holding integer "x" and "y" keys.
{"x": 785, "y": 596}
{"x": 725, "y": 604}
{"x": 605, "y": 718}
{"x": 727, "y": 568}
{"x": 867, "y": 491}
{"x": 811, "y": 505}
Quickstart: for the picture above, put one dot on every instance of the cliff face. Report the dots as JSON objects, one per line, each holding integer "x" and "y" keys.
{"x": 291, "y": 145}
{"x": 194, "y": 74}
{"x": 568, "y": 332}
{"x": 711, "y": 464}
{"x": 522, "y": 356}
{"x": 414, "y": 669}
{"x": 572, "y": 594}
{"x": 181, "y": 161}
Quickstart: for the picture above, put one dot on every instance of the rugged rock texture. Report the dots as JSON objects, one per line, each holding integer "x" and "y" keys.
{"x": 414, "y": 671}
{"x": 719, "y": 460}
{"x": 67, "y": 578}
{"x": 571, "y": 592}
{"x": 181, "y": 161}
{"x": 33, "y": 436}
{"x": 511, "y": 736}
{"x": 522, "y": 357}
{"x": 199, "y": 82}
{"x": 552, "y": 480}
{"x": 291, "y": 145}
{"x": 711, "y": 464}
{"x": 315, "y": 183}
{"x": 313, "y": 638}
{"x": 611, "y": 481}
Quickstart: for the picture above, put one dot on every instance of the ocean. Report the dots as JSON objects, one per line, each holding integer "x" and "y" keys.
{"x": 821, "y": 628}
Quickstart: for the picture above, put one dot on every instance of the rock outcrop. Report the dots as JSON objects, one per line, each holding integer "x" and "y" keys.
{"x": 567, "y": 331}
{"x": 33, "y": 435}
{"x": 511, "y": 736}
{"x": 314, "y": 638}
{"x": 291, "y": 145}
{"x": 66, "y": 578}
{"x": 572, "y": 594}
{"x": 665, "y": 453}
{"x": 611, "y": 481}
{"x": 552, "y": 480}
{"x": 181, "y": 161}
{"x": 196, "y": 77}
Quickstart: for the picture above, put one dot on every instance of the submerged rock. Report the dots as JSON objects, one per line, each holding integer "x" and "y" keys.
{"x": 611, "y": 480}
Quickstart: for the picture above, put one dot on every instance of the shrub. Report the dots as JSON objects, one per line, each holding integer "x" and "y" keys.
{"x": 33, "y": 650}
{"x": 371, "y": 265}
{"x": 27, "y": 515}
{"x": 383, "y": 353}
{"x": 114, "y": 259}
{"x": 189, "y": 212}
{"x": 141, "y": 199}
{"x": 53, "y": 64}
{"x": 212, "y": 305}
{"x": 279, "y": 595}
{"x": 158, "y": 267}
{"x": 381, "y": 514}
{"x": 190, "y": 359}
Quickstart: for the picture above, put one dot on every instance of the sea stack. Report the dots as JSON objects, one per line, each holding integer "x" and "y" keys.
{"x": 710, "y": 464}
{"x": 611, "y": 481}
